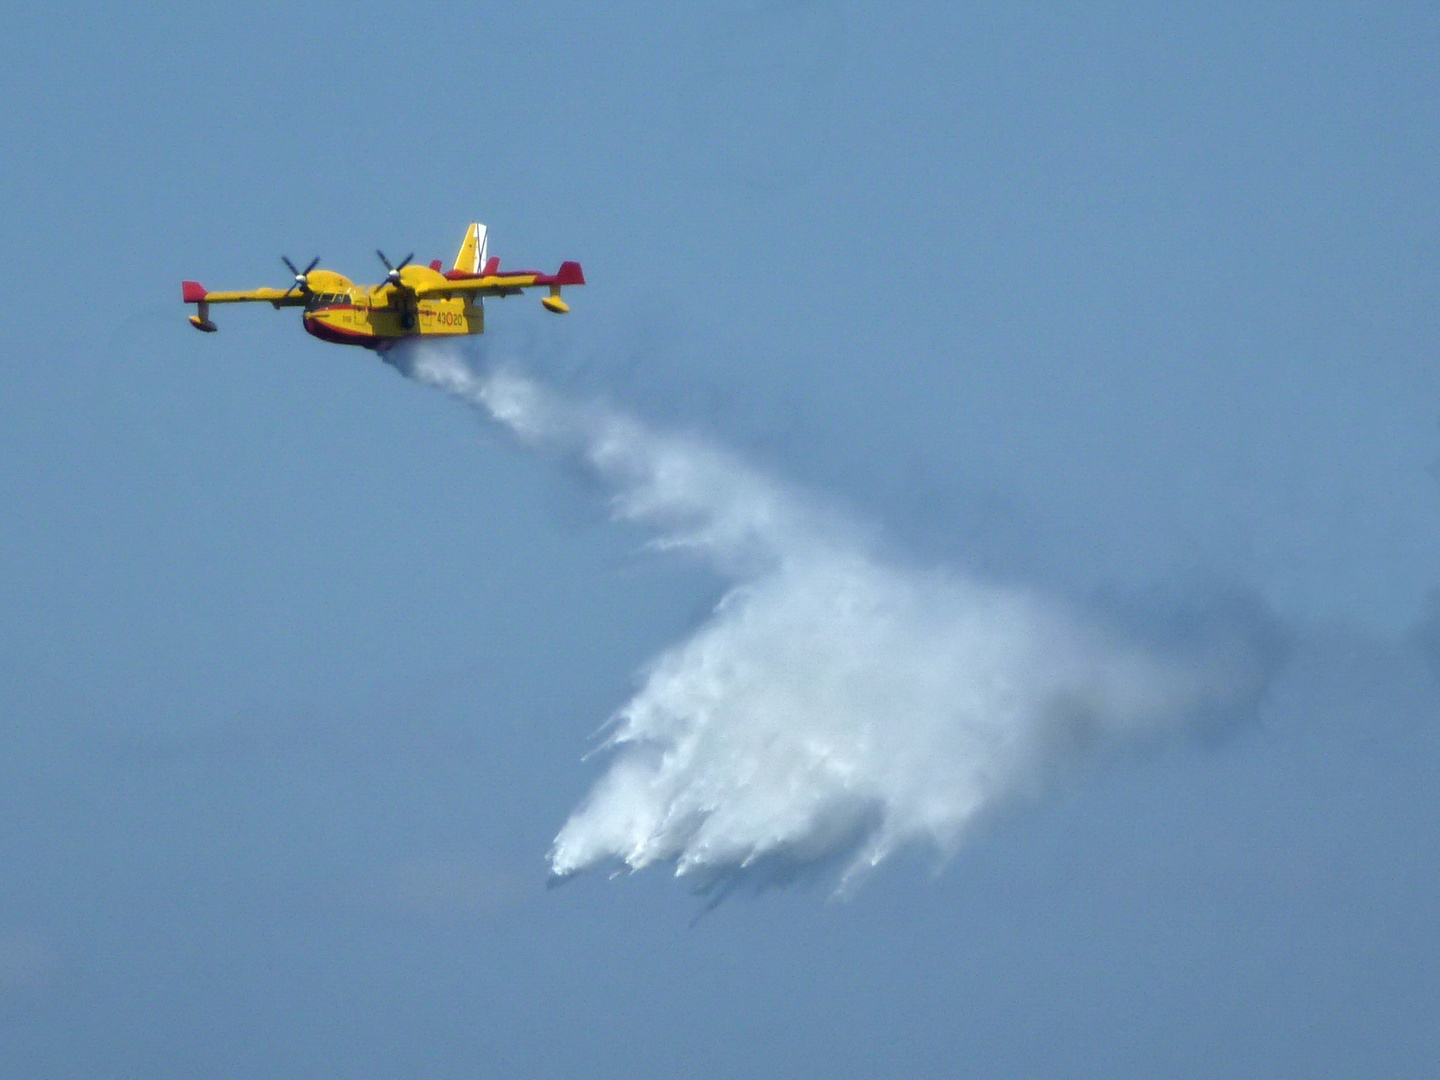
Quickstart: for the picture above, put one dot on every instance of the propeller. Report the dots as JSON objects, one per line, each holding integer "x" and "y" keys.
{"x": 392, "y": 276}
{"x": 300, "y": 275}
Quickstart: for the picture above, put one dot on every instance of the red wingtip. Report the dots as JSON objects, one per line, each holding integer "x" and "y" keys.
{"x": 492, "y": 266}
{"x": 570, "y": 274}
{"x": 436, "y": 265}
{"x": 193, "y": 291}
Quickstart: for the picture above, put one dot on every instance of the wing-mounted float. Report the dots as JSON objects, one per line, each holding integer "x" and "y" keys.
{"x": 411, "y": 301}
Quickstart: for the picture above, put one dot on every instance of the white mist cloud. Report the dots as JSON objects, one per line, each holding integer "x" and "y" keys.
{"x": 836, "y": 705}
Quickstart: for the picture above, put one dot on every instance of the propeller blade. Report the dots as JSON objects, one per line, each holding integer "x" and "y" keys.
{"x": 300, "y": 275}
{"x": 392, "y": 273}
{"x": 293, "y": 273}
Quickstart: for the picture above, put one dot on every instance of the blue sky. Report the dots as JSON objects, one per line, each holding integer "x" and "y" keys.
{"x": 300, "y": 660}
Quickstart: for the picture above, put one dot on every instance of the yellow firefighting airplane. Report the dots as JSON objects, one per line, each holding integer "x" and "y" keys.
{"x": 412, "y": 301}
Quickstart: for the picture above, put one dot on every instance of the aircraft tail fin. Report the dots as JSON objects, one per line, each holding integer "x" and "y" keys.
{"x": 472, "y": 250}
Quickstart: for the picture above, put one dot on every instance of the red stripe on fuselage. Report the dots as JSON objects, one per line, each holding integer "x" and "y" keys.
{"x": 336, "y": 336}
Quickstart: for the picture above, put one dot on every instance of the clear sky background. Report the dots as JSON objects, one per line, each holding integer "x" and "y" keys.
{"x": 298, "y": 661}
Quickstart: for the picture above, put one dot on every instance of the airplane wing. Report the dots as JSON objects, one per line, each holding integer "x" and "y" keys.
{"x": 202, "y": 298}
{"x": 507, "y": 284}
{"x": 195, "y": 293}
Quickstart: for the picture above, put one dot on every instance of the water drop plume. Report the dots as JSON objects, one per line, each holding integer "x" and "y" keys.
{"x": 837, "y": 704}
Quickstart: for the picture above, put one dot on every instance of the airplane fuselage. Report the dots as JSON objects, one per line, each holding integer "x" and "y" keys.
{"x": 374, "y": 317}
